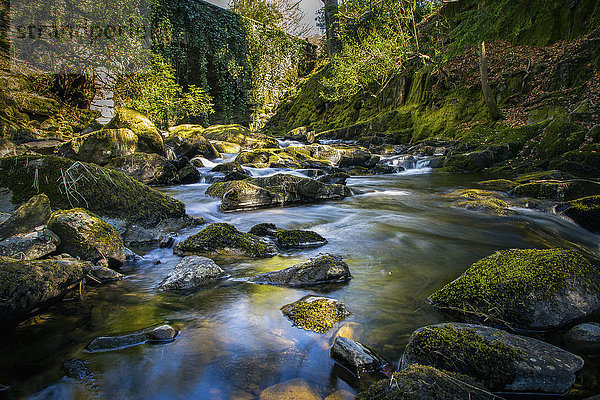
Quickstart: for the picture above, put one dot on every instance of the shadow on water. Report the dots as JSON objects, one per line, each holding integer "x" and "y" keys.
{"x": 401, "y": 238}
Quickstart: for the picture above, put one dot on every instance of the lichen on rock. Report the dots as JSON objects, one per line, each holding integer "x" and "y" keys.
{"x": 315, "y": 313}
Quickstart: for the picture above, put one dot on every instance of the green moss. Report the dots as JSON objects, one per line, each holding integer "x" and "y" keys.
{"x": 71, "y": 184}
{"x": 315, "y": 314}
{"x": 298, "y": 238}
{"x": 463, "y": 350}
{"x": 477, "y": 199}
{"x": 501, "y": 184}
{"x": 500, "y": 287}
{"x": 585, "y": 211}
{"x": 542, "y": 175}
{"x": 549, "y": 190}
{"x": 149, "y": 139}
{"x": 225, "y": 239}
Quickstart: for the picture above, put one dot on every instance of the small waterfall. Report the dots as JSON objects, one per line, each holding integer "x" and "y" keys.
{"x": 409, "y": 164}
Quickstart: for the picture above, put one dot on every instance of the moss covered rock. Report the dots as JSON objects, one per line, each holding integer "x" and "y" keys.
{"x": 86, "y": 236}
{"x": 480, "y": 200}
{"x": 69, "y": 184}
{"x": 297, "y": 238}
{"x": 498, "y": 184}
{"x": 28, "y": 286}
{"x": 149, "y": 139}
{"x": 191, "y": 147}
{"x": 549, "y": 190}
{"x": 325, "y": 268}
{"x": 584, "y": 211}
{"x": 150, "y": 169}
{"x": 523, "y": 289}
{"x": 315, "y": 313}
{"x": 272, "y": 191}
{"x": 499, "y": 360}
{"x": 240, "y": 135}
{"x": 224, "y": 239}
{"x": 35, "y": 212}
{"x": 419, "y": 382}
{"x": 101, "y": 146}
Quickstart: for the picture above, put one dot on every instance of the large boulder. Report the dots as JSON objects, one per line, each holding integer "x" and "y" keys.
{"x": 35, "y": 212}
{"x": 27, "y": 286}
{"x": 315, "y": 313}
{"x": 191, "y": 273}
{"x": 499, "y": 360}
{"x": 150, "y": 169}
{"x": 86, "y": 236}
{"x": 197, "y": 146}
{"x": 29, "y": 246}
{"x": 325, "y": 268}
{"x": 419, "y": 382}
{"x": 584, "y": 211}
{"x": 523, "y": 289}
{"x": 238, "y": 134}
{"x": 149, "y": 139}
{"x": 153, "y": 334}
{"x": 69, "y": 184}
{"x": 101, "y": 146}
{"x": 273, "y": 191}
{"x": 224, "y": 239}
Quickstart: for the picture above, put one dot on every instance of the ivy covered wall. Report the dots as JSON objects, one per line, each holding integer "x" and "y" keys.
{"x": 245, "y": 66}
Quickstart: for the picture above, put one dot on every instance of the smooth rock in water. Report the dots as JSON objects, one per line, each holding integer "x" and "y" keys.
{"x": 163, "y": 333}
{"x": 77, "y": 369}
{"x": 584, "y": 211}
{"x": 68, "y": 184}
{"x": 584, "y": 337}
{"x": 140, "y": 234}
{"x": 151, "y": 169}
{"x": 523, "y": 289}
{"x": 355, "y": 357}
{"x": 263, "y": 229}
{"x": 27, "y": 286}
{"x": 187, "y": 175}
{"x": 36, "y": 212}
{"x": 419, "y": 382}
{"x": 299, "y": 239}
{"x": 104, "y": 275}
{"x": 191, "y": 273}
{"x": 315, "y": 313}
{"x": 149, "y": 139}
{"x": 295, "y": 389}
{"x": 337, "y": 178}
{"x": 224, "y": 239}
{"x": 499, "y": 360}
{"x": 30, "y": 246}
{"x": 276, "y": 190}
{"x": 87, "y": 237}
{"x": 325, "y": 268}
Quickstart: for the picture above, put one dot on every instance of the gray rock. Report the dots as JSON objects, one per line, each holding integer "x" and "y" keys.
{"x": 77, "y": 369}
{"x": 30, "y": 246}
{"x": 191, "y": 273}
{"x": 28, "y": 286}
{"x": 584, "y": 337}
{"x": 163, "y": 333}
{"x": 325, "y": 268}
{"x": 86, "y": 236}
{"x": 101, "y": 274}
{"x": 355, "y": 356}
{"x": 27, "y": 217}
{"x": 138, "y": 234}
{"x": 499, "y": 360}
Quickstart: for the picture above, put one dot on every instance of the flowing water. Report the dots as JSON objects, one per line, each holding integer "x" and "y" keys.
{"x": 401, "y": 238}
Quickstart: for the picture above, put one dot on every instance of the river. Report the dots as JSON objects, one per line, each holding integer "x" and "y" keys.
{"x": 401, "y": 238}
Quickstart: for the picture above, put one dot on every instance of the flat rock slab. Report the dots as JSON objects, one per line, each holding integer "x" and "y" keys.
{"x": 154, "y": 334}
{"x": 325, "y": 268}
{"x": 30, "y": 246}
{"x": 315, "y": 313}
{"x": 191, "y": 273}
{"x": 499, "y": 360}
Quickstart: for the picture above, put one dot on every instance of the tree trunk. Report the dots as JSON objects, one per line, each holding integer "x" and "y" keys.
{"x": 493, "y": 110}
{"x": 331, "y": 25}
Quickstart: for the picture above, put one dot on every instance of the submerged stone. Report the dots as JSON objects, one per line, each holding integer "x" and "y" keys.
{"x": 325, "y": 268}
{"x": 77, "y": 369}
{"x": 156, "y": 334}
{"x": 419, "y": 382}
{"x": 315, "y": 313}
{"x": 523, "y": 289}
{"x": 224, "y": 239}
{"x": 191, "y": 273}
{"x": 499, "y": 360}
{"x": 295, "y": 389}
